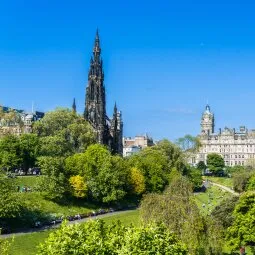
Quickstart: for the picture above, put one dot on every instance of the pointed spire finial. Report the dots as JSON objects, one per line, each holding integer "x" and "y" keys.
{"x": 74, "y": 106}
{"x": 97, "y": 49}
{"x": 115, "y": 107}
{"x": 97, "y": 34}
{"x": 97, "y": 37}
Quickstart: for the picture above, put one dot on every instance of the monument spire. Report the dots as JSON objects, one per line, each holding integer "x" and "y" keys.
{"x": 74, "y": 106}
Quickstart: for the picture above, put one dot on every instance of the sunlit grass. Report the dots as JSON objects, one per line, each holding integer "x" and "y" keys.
{"x": 27, "y": 244}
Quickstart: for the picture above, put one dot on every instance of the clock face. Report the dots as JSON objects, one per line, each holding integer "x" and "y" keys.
{"x": 206, "y": 120}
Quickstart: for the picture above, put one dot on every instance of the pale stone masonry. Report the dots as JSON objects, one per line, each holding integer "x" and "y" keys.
{"x": 17, "y": 122}
{"x": 237, "y": 147}
{"x": 134, "y": 145}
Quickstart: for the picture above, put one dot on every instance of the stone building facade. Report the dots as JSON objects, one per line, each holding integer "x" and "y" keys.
{"x": 134, "y": 145}
{"x": 17, "y": 122}
{"x": 237, "y": 147}
{"x": 109, "y": 131}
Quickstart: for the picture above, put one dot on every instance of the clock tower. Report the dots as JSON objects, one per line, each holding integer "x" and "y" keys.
{"x": 207, "y": 122}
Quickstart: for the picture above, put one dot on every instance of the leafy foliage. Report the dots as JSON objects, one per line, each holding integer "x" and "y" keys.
{"x": 241, "y": 180}
{"x": 54, "y": 183}
{"x": 188, "y": 143}
{"x": 95, "y": 237}
{"x": 63, "y": 133}
{"x": 19, "y": 151}
{"x": 201, "y": 166}
{"x": 251, "y": 183}
{"x": 223, "y": 213}
{"x": 179, "y": 212}
{"x": 195, "y": 177}
{"x": 29, "y": 146}
{"x": 137, "y": 181}
{"x": 10, "y": 204}
{"x": 106, "y": 175}
{"x": 10, "y": 156}
{"x": 154, "y": 166}
{"x": 79, "y": 187}
{"x": 215, "y": 162}
{"x": 242, "y": 231}
{"x": 175, "y": 157}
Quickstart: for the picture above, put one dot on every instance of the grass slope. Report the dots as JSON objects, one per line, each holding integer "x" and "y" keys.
{"x": 228, "y": 182}
{"x": 36, "y": 201}
{"x": 210, "y": 199}
{"x": 29, "y": 181}
{"x": 26, "y": 244}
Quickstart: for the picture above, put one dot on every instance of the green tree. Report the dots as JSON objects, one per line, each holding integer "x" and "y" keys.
{"x": 53, "y": 122}
{"x": 106, "y": 175}
{"x": 215, "y": 163}
{"x": 74, "y": 165}
{"x": 241, "y": 180}
{"x": 188, "y": 143}
{"x": 10, "y": 204}
{"x": 54, "y": 184}
{"x": 242, "y": 231}
{"x": 223, "y": 213}
{"x": 96, "y": 237}
{"x": 79, "y": 186}
{"x": 195, "y": 177}
{"x": 63, "y": 133}
{"x": 177, "y": 209}
{"x": 154, "y": 166}
{"x": 10, "y": 156}
{"x": 251, "y": 183}
{"x": 137, "y": 181}
{"x": 29, "y": 146}
{"x": 201, "y": 166}
{"x": 174, "y": 155}
{"x": 54, "y": 146}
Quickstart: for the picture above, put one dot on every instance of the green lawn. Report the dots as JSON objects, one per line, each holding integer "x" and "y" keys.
{"x": 126, "y": 218}
{"x": 210, "y": 199}
{"x": 29, "y": 181}
{"x": 40, "y": 209}
{"x": 36, "y": 201}
{"x": 228, "y": 182}
{"x": 26, "y": 244}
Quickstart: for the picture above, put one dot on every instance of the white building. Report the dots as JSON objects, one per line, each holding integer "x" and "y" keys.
{"x": 133, "y": 145}
{"x": 130, "y": 150}
{"x": 237, "y": 147}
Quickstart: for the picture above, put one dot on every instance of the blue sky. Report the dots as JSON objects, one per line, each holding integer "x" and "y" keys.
{"x": 163, "y": 59}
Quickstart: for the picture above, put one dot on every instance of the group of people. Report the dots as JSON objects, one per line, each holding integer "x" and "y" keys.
{"x": 30, "y": 171}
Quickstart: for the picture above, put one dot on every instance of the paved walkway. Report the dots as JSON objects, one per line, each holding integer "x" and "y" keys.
{"x": 33, "y": 230}
{"x": 225, "y": 188}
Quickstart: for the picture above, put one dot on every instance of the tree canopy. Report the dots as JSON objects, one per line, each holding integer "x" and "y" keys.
{"x": 242, "y": 231}
{"x": 96, "y": 237}
{"x": 179, "y": 212}
{"x": 215, "y": 162}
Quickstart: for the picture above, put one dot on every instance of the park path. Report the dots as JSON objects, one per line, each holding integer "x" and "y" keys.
{"x": 34, "y": 230}
{"x": 225, "y": 188}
